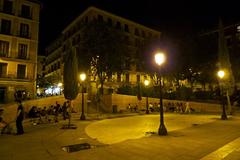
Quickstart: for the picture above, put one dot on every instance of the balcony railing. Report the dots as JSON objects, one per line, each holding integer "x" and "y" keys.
{"x": 25, "y": 16}
{"x": 12, "y": 77}
{"x": 3, "y": 54}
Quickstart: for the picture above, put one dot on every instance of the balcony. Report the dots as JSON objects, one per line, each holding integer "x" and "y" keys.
{"x": 27, "y": 36}
{"x": 12, "y": 77}
{"x": 22, "y": 57}
{"x": 3, "y": 54}
{"x": 7, "y": 11}
{"x": 27, "y": 16}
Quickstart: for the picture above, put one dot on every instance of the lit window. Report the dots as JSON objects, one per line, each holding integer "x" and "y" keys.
{"x": 22, "y": 51}
{"x": 238, "y": 28}
{"x": 4, "y": 48}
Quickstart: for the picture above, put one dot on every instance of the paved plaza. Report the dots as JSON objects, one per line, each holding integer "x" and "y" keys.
{"x": 133, "y": 137}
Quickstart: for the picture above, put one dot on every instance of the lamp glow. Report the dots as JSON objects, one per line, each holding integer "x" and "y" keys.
{"x": 60, "y": 84}
{"x": 146, "y": 82}
{"x": 82, "y": 76}
{"x": 221, "y": 74}
{"x": 160, "y": 58}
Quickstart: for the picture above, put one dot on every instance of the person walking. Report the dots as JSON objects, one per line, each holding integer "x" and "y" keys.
{"x": 20, "y": 117}
{"x": 187, "y": 109}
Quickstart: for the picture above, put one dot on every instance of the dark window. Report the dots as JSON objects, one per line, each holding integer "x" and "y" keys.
{"x": 24, "y": 30}
{"x": 55, "y": 66}
{"x": 127, "y": 77}
{"x": 58, "y": 64}
{"x": 22, "y": 51}
{"x": 3, "y": 69}
{"x": 150, "y": 35}
{"x": 8, "y": 6}
{"x": 127, "y": 64}
{"x": 126, "y": 28}
{"x": 136, "y": 32}
{"x": 100, "y": 18}
{"x": 86, "y": 19}
{"x": 109, "y": 21}
{"x": 118, "y": 25}
{"x": 137, "y": 42}
{"x": 26, "y": 11}
{"x": 126, "y": 39}
{"x": 78, "y": 38}
{"x": 6, "y": 26}
{"x": 138, "y": 78}
{"x": 21, "y": 71}
{"x": 118, "y": 77}
{"x": 4, "y": 48}
{"x": 143, "y": 34}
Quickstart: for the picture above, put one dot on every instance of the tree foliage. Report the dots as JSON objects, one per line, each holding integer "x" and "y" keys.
{"x": 106, "y": 45}
{"x": 70, "y": 75}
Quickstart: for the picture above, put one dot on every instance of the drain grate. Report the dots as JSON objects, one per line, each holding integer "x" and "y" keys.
{"x": 76, "y": 147}
{"x": 71, "y": 126}
{"x": 150, "y": 133}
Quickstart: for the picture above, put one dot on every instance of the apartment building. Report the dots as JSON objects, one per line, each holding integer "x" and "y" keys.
{"x": 19, "y": 27}
{"x": 135, "y": 35}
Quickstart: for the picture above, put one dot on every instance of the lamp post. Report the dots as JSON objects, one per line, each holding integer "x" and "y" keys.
{"x": 82, "y": 78}
{"x": 146, "y": 83}
{"x": 160, "y": 59}
{"x": 221, "y": 75}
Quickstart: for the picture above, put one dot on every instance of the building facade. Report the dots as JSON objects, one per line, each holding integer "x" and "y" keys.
{"x": 19, "y": 30}
{"x": 135, "y": 35}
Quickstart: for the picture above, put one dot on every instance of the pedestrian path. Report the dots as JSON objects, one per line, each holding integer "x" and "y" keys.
{"x": 198, "y": 141}
{"x": 224, "y": 151}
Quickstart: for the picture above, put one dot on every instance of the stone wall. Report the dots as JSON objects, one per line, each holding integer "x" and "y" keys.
{"x": 122, "y": 101}
{"x": 107, "y": 103}
{"x": 10, "y": 110}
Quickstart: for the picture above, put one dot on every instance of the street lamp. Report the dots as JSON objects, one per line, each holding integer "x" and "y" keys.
{"x": 160, "y": 59}
{"x": 60, "y": 87}
{"x": 146, "y": 83}
{"x": 221, "y": 75}
{"x": 82, "y": 78}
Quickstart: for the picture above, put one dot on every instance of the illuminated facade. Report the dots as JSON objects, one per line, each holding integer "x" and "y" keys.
{"x": 18, "y": 48}
{"x": 134, "y": 33}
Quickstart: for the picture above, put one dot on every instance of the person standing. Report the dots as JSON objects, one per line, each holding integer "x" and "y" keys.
{"x": 187, "y": 109}
{"x": 20, "y": 117}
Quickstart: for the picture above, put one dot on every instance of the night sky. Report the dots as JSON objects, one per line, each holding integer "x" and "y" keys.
{"x": 173, "y": 18}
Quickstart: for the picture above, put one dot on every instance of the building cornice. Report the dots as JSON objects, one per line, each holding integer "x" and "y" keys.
{"x": 110, "y": 15}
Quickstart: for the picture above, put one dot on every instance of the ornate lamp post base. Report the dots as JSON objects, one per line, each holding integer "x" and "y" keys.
{"x": 147, "y": 111}
{"x": 82, "y": 117}
{"x": 162, "y": 130}
{"x": 224, "y": 117}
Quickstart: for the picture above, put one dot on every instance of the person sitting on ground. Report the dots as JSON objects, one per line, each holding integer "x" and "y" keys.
{"x": 44, "y": 115}
{"x": 32, "y": 114}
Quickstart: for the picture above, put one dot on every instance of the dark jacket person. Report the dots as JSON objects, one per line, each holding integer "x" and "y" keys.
{"x": 20, "y": 117}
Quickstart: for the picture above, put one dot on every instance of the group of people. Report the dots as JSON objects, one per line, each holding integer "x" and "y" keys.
{"x": 178, "y": 107}
{"x": 43, "y": 115}
{"x": 38, "y": 115}
{"x": 132, "y": 108}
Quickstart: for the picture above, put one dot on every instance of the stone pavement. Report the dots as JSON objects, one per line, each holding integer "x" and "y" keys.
{"x": 216, "y": 139}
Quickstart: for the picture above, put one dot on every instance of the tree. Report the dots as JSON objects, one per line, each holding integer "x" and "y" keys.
{"x": 70, "y": 76}
{"x": 106, "y": 46}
